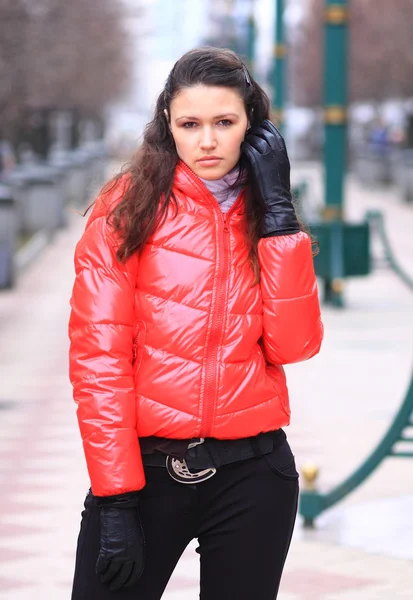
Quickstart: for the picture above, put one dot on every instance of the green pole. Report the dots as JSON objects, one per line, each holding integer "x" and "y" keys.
{"x": 229, "y": 18}
{"x": 251, "y": 40}
{"x": 335, "y": 119}
{"x": 279, "y": 64}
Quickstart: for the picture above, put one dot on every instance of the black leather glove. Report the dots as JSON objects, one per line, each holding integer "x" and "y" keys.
{"x": 121, "y": 556}
{"x": 265, "y": 150}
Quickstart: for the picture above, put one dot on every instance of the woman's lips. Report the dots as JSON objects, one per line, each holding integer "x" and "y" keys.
{"x": 209, "y": 161}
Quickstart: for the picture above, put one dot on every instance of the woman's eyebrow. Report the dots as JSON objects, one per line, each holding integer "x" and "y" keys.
{"x": 226, "y": 115}
{"x": 185, "y": 117}
{"x": 216, "y": 117}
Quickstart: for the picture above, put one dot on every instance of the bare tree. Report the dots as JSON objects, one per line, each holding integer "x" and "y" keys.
{"x": 58, "y": 54}
{"x": 380, "y": 56}
{"x": 12, "y": 65}
{"x": 79, "y": 55}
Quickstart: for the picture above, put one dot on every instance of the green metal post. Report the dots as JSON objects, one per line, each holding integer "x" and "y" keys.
{"x": 335, "y": 118}
{"x": 279, "y": 64}
{"x": 230, "y": 34}
{"x": 251, "y": 41}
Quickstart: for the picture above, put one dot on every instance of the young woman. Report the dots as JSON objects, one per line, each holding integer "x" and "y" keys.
{"x": 194, "y": 285}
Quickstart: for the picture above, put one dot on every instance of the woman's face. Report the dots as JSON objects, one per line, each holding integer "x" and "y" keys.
{"x": 208, "y": 124}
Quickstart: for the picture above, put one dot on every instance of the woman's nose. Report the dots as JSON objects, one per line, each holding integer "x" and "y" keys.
{"x": 207, "y": 140}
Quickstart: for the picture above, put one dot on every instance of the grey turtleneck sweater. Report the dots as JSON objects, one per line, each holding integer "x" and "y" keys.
{"x": 226, "y": 189}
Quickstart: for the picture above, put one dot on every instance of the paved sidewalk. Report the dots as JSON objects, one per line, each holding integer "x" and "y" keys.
{"x": 342, "y": 402}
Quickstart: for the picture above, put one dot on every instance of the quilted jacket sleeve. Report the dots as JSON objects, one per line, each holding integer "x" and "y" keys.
{"x": 292, "y": 327}
{"x": 101, "y": 370}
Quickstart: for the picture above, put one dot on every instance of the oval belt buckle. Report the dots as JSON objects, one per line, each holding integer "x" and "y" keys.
{"x": 179, "y": 471}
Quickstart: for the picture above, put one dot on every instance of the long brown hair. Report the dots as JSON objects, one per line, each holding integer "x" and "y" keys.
{"x": 150, "y": 175}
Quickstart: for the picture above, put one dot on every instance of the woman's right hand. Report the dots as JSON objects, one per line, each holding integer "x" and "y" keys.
{"x": 121, "y": 556}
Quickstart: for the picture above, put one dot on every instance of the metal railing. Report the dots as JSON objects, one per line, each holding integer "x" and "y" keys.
{"x": 375, "y": 219}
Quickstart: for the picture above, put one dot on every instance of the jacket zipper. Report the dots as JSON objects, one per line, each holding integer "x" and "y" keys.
{"x": 218, "y": 316}
{"x": 218, "y": 309}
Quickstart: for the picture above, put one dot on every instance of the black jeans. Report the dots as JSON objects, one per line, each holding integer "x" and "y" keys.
{"x": 243, "y": 519}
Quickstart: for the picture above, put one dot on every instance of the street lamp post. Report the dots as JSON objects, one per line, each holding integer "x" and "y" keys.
{"x": 279, "y": 64}
{"x": 335, "y": 119}
{"x": 251, "y": 38}
{"x": 344, "y": 247}
{"x": 229, "y": 20}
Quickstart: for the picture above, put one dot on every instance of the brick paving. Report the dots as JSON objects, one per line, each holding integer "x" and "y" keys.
{"x": 342, "y": 402}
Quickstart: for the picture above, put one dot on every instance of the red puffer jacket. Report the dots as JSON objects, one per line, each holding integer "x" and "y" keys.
{"x": 178, "y": 342}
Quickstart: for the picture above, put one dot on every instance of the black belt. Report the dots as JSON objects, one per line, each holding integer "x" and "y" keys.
{"x": 204, "y": 456}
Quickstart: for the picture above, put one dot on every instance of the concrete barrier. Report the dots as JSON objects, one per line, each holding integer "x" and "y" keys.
{"x": 41, "y": 197}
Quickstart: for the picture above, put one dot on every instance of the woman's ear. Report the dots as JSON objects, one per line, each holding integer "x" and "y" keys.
{"x": 165, "y": 112}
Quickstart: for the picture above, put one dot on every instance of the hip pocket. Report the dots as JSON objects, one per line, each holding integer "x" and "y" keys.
{"x": 281, "y": 462}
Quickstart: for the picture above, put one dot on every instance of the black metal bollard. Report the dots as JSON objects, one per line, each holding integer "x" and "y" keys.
{"x": 8, "y": 236}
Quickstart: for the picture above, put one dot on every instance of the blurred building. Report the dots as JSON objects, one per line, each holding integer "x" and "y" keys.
{"x": 228, "y": 20}
{"x": 162, "y": 30}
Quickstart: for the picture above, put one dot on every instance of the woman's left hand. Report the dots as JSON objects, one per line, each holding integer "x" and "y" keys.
{"x": 265, "y": 150}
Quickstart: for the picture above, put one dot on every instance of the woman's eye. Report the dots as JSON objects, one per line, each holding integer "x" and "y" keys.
{"x": 225, "y": 122}
{"x": 189, "y": 125}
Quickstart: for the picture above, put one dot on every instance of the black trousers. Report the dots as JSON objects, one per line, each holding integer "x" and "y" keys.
{"x": 243, "y": 518}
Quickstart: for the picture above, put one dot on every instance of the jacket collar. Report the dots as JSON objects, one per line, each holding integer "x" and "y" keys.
{"x": 191, "y": 185}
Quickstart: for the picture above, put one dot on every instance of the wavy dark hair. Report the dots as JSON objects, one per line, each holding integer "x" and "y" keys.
{"x": 150, "y": 174}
